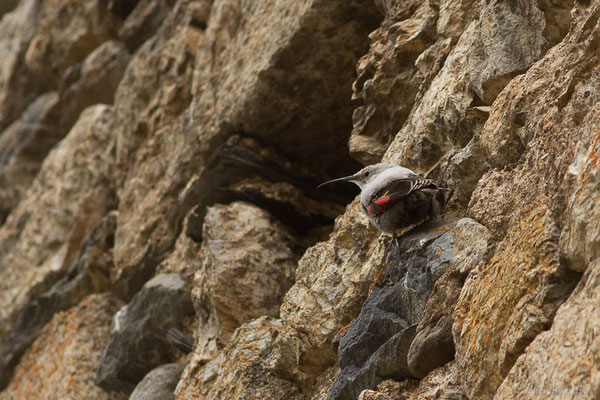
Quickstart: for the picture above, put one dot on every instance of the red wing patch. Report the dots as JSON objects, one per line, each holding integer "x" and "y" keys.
{"x": 394, "y": 192}
{"x": 374, "y": 210}
{"x": 382, "y": 200}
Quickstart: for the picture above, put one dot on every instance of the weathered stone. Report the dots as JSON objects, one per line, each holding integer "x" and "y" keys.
{"x": 144, "y": 20}
{"x": 388, "y": 390}
{"x": 486, "y": 56}
{"x": 67, "y": 32}
{"x": 178, "y": 125}
{"x": 27, "y": 141}
{"x": 563, "y": 362}
{"x": 183, "y": 342}
{"x": 443, "y": 383}
{"x": 40, "y": 41}
{"x": 18, "y": 86}
{"x": 155, "y": 149}
{"x": 138, "y": 337}
{"x": 243, "y": 267}
{"x": 61, "y": 363}
{"x": 506, "y": 302}
{"x": 248, "y": 266}
{"x": 498, "y": 100}
{"x": 23, "y": 147}
{"x": 44, "y": 234}
{"x": 324, "y": 382}
{"x": 516, "y": 294}
{"x": 416, "y": 59}
{"x": 388, "y": 81}
{"x": 92, "y": 81}
{"x": 472, "y": 245}
{"x": 463, "y": 171}
{"x": 511, "y": 41}
{"x": 378, "y": 341}
{"x": 186, "y": 257}
{"x": 389, "y": 360}
{"x": 332, "y": 281}
{"x": 158, "y": 384}
{"x": 580, "y": 240}
{"x": 297, "y": 54}
{"x": 433, "y": 344}
{"x": 243, "y": 370}
{"x": 454, "y": 16}
{"x": 88, "y": 274}
{"x": 531, "y": 112}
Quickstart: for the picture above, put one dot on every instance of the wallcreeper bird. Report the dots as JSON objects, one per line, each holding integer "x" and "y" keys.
{"x": 395, "y": 197}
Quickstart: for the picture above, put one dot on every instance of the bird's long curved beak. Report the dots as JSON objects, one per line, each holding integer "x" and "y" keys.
{"x": 344, "y": 179}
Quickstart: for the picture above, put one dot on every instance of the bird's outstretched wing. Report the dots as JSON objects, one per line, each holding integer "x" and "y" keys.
{"x": 394, "y": 191}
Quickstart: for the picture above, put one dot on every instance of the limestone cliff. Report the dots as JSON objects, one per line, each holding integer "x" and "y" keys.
{"x": 158, "y": 169}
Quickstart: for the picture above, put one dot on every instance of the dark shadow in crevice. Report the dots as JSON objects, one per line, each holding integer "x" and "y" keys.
{"x": 7, "y": 6}
{"x": 232, "y": 165}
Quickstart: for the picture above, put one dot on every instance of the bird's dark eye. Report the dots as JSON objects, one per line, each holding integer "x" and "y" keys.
{"x": 367, "y": 173}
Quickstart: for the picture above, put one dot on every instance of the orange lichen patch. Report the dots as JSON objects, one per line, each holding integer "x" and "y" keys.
{"x": 71, "y": 382}
{"x": 72, "y": 341}
{"x": 593, "y": 158}
{"x": 343, "y": 330}
{"x": 376, "y": 280}
{"x": 501, "y": 310}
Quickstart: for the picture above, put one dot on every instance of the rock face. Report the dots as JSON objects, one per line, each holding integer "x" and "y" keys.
{"x": 549, "y": 363}
{"x": 89, "y": 273}
{"x": 158, "y": 384}
{"x": 377, "y": 343}
{"x": 525, "y": 308}
{"x": 24, "y": 145}
{"x": 26, "y": 142}
{"x": 212, "y": 89}
{"x": 182, "y": 141}
{"x": 61, "y": 364}
{"x": 44, "y": 235}
{"x": 138, "y": 336}
{"x": 242, "y": 370}
{"x": 389, "y": 79}
{"x": 249, "y": 279}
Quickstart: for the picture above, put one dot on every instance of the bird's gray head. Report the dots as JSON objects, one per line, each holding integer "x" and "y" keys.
{"x": 362, "y": 177}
